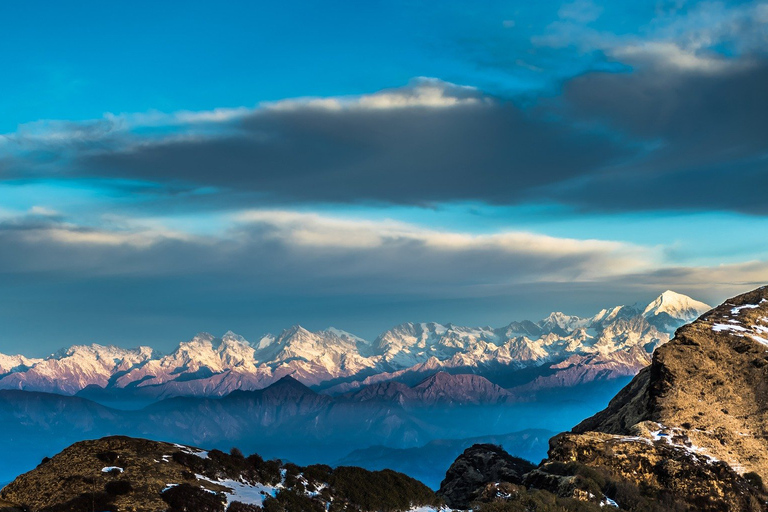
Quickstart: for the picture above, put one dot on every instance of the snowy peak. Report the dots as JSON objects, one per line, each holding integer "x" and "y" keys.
{"x": 344, "y": 334}
{"x": 676, "y": 305}
{"x": 561, "y": 323}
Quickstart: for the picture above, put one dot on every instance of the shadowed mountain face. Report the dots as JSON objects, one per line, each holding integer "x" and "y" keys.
{"x": 561, "y": 349}
{"x": 291, "y": 421}
{"x": 688, "y": 433}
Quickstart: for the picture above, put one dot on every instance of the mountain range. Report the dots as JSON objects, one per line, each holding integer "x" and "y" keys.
{"x": 523, "y": 357}
{"x": 687, "y": 433}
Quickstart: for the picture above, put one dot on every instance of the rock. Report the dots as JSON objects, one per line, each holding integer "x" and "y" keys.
{"x": 479, "y": 465}
{"x": 710, "y": 383}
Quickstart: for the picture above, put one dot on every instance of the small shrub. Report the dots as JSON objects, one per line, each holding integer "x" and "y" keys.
{"x": 118, "y": 487}
{"x": 755, "y": 480}
{"x": 189, "y": 498}
{"x": 236, "y": 506}
{"x": 108, "y": 458}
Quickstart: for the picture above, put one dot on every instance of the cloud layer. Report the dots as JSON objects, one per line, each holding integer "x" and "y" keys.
{"x": 655, "y": 138}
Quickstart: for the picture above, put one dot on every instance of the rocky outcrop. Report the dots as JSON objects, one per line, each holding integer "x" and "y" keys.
{"x": 652, "y": 470}
{"x": 473, "y": 470}
{"x": 710, "y": 383}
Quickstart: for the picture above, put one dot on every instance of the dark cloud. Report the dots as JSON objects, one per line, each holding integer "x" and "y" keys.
{"x": 488, "y": 150}
{"x": 657, "y": 137}
{"x": 707, "y": 134}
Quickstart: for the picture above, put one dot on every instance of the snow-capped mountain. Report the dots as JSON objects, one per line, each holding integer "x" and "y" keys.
{"x": 672, "y": 310}
{"x": 619, "y": 339}
{"x": 70, "y": 370}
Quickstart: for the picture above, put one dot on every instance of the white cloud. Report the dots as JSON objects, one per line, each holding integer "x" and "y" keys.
{"x": 423, "y": 92}
{"x": 582, "y": 11}
{"x": 589, "y": 259}
{"x": 671, "y": 55}
{"x": 685, "y": 42}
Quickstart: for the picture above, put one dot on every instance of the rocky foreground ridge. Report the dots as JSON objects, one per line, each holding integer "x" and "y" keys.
{"x": 688, "y": 433}
{"x": 137, "y": 475}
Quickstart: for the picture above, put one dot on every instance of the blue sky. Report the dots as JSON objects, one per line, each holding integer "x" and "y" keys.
{"x": 168, "y": 168}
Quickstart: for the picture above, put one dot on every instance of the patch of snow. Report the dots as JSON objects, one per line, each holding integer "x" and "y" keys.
{"x": 737, "y": 310}
{"x": 726, "y": 327}
{"x": 250, "y": 494}
{"x": 190, "y": 451}
{"x": 111, "y": 468}
{"x": 667, "y": 435}
{"x": 608, "y": 501}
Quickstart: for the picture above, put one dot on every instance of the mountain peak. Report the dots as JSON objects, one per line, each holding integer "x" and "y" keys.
{"x": 677, "y": 306}
{"x": 558, "y": 320}
{"x": 294, "y": 330}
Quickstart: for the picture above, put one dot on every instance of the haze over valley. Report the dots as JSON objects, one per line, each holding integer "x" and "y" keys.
{"x": 330, "y": 396}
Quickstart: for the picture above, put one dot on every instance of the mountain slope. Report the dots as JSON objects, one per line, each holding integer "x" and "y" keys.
{"x": 709, "y": 383}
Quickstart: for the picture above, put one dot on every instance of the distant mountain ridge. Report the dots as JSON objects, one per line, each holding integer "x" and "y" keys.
{"x": 615, "y": 342}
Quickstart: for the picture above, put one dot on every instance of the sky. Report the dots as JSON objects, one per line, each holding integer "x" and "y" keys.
{"x": 168, "y": 168}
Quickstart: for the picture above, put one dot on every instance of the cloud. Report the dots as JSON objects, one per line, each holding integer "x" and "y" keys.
{"x": 138, "y": 279}
{"x": 668, "y": 55}
{"x": 582, "y": 11}
{"x": 309, "y": 255}
{"x": 284, "y": 250}
{"x": 425, "y": 143}
{"x": 706, "y": 135}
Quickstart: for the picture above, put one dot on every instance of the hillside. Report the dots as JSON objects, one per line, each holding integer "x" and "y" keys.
{"x": 122, "y": 474}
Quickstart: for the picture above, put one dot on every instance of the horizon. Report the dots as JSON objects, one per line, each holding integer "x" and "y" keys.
{"x": 253, "y": 165}
{"x": 170, "y": 346}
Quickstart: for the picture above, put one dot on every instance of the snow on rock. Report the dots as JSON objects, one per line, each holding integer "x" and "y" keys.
{"x": 203, "y": 454}
{"x": 250, "y": 494}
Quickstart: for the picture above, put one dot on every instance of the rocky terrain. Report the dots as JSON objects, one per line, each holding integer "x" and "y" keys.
{"x": 477, "y": 467}
{"x": 127, "y": 474}
{"x": 560, "y": 349}
{"x": 688, "y": 433}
